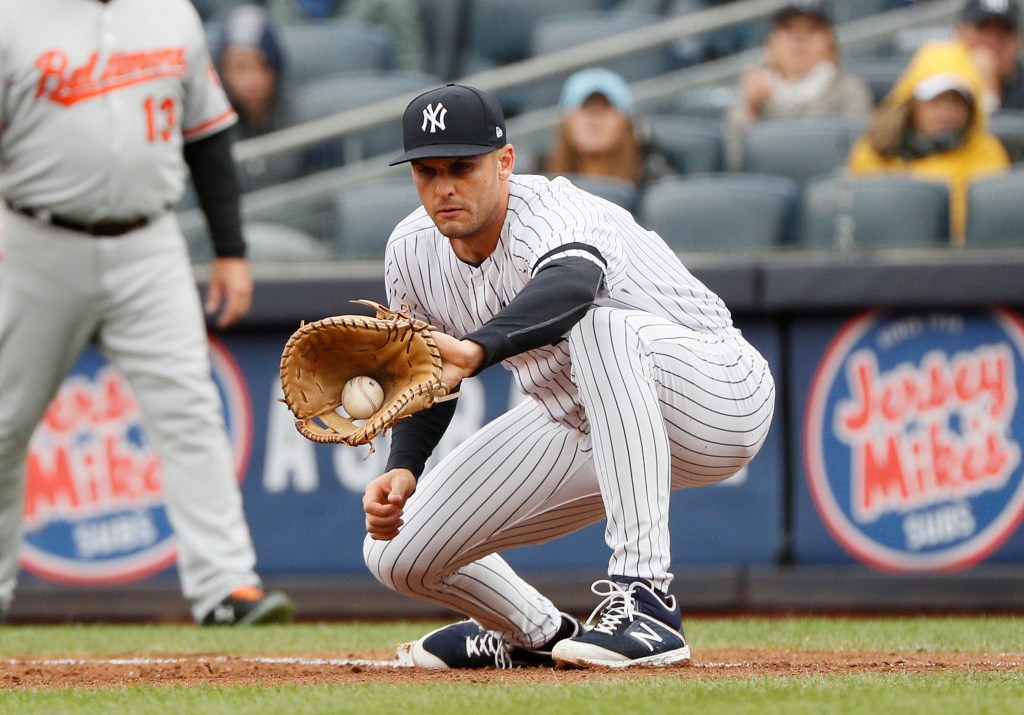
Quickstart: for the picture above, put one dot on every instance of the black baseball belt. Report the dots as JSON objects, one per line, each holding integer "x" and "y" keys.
{"x": 101, "y": 229}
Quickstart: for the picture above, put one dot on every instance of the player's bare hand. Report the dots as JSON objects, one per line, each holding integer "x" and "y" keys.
{"x": 461, "y": 358}
{"x": 230, "y": 290}
{"x": 384, "y": 503}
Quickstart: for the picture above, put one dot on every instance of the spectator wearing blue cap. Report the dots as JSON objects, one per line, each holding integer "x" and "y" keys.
{"x": 600, "y": 134}
{"x": 249, "y": 59}
{"x": 800, "y": 77}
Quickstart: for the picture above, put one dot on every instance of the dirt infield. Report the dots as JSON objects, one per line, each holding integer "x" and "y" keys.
{"x": 352, "y": 668}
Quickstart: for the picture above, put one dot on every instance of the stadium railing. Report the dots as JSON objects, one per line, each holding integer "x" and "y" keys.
{"x": 263, "y": 204}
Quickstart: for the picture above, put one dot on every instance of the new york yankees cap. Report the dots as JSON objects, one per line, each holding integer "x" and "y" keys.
{"x": 454, "y": 120}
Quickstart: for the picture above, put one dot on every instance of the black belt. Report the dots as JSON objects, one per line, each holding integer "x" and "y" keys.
{"x": 104, "y": 229}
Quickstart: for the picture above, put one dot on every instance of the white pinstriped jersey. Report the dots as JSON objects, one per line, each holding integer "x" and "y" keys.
{"x": 423, "y": 273}
{"x": 74, "y": 70}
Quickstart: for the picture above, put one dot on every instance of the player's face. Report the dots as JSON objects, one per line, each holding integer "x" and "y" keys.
{"x": 466, "y": 196}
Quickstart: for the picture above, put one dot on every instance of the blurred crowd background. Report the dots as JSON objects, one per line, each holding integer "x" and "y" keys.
{"x": 755, "y": 125}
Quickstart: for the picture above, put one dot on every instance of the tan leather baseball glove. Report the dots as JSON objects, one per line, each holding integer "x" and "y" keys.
{"x": 393, "y": 348}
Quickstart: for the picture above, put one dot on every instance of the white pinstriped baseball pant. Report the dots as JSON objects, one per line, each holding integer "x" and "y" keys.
{"x": 668, "y": 407}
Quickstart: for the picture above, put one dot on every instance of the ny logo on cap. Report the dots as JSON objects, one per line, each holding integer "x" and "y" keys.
{"x": 434, "y": 115}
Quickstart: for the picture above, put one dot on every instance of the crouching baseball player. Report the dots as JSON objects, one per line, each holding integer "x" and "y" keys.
{"x": 639, "y": 382}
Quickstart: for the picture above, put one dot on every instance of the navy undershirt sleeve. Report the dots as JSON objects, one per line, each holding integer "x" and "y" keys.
{"x": 557, "y": 298}
{"x": 213, "y": 174}
{"x": 414, "y": 439}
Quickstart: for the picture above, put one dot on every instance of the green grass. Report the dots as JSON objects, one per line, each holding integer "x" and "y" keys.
{"x": 961, "y": 693}
{"x": 77, "y": 640}
{"x": 645, "y": 692}
{"x": 993, "y": 634}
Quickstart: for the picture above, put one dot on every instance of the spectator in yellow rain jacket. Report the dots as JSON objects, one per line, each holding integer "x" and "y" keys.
{"x": 933, "y": 126}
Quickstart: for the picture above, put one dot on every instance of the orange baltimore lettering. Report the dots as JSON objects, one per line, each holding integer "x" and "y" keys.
{"x": 65, "y": 84}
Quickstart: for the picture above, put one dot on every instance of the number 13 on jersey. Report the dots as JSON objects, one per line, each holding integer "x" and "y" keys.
{"x": 161, "y": 116}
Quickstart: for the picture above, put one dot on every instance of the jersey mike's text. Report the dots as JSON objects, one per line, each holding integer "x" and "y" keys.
{"x": 928, "y": 433}
{"x": 87, "y": 456}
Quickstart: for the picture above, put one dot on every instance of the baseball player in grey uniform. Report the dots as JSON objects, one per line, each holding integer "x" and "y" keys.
{"x": 100, "y": 102}
{"x": 639, "y": 382}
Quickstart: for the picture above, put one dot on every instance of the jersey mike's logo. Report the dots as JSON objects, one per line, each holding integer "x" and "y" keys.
{"x": 913, "y": 438}
{"x": 94, "y": 508}
{"x": 67, "y": 84}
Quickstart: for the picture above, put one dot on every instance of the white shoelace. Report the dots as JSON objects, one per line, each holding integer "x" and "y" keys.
{"x": 489, "y": 645}
{"x": 614, "y": 609}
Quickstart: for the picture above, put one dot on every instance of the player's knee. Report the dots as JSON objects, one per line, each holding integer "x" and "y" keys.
{"x": 396, "y": 569}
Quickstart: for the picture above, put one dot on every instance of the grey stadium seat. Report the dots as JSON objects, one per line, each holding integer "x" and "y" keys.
{"x": 704, "y": 102}
{"x": 318, "y": 49}
{"x": 1008, "y": 126}
{"x": 564, "y": 31}
{"x": 277, "y": 242}
{"x": 717, "y": 43}
{"x": 692, "y": 145}
{"x": 880, "y": 73}
{"x": 500, "y": 31}
{"x": 857, "y": 9}
{"x": 365, "y": 214}
{"x": 875, "y": 211}
{"x": 619, "y": 191}
{"x": 338, "y": 93}
{"x": 213, "y": 10}
{"x": 994, "y": 214}
{"x": 799, "y": 148}
{"x": 725, "y": 211}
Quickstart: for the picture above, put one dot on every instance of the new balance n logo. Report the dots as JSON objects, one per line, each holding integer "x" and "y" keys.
{"x": 646, "y": 635}
{"x": 434, "y": 116}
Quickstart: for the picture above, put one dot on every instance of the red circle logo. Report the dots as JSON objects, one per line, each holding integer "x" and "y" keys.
{"x": 912, "y": 438}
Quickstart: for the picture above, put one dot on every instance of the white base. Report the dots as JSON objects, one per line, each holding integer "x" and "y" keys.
{"x": 413, "y": 655}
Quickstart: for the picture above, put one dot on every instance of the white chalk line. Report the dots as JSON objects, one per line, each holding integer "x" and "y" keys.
{"x": 335, "y": 662}
{"x": 200, "y": 660}
{"x": 261, "y": 660}
{"x": 266, "y": 660}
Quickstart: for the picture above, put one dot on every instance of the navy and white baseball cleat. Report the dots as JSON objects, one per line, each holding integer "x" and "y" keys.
{"x": 468, "y": 645}
{"x": 632, "y": 626}
{"x": 459, "y": 645}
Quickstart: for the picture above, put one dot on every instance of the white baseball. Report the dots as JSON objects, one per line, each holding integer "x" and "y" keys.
{"x": 361, "y": 397}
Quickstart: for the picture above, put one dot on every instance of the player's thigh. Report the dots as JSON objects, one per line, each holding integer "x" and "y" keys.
{"x": 154, "y": 329}
{"x": 47, "y": 313}
{"x": 717, "y": 396}
{"x": 512, "y": 469}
